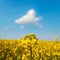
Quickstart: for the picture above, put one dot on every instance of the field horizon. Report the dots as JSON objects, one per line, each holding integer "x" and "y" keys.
{"x": 56, "y": 37}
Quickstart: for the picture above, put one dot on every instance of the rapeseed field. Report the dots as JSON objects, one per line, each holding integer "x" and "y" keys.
{"x": 29, "y": 48}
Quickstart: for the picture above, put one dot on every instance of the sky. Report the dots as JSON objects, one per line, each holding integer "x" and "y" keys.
{"x": 21, "y": 17}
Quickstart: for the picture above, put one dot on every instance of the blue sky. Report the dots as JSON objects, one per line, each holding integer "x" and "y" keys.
{"x": 15, "y": 10}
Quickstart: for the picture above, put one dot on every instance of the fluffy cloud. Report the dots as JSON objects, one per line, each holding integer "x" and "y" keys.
{"x": 29, "y": 17}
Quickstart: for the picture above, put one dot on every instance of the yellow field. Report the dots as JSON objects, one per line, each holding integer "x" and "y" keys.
{"x": 29, "y": 48}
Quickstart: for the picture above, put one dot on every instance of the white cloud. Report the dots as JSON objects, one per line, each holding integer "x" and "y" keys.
{"x": 39, "y": 25}
{"x": 22, "y": 27}
{"x": 28, "y": 18}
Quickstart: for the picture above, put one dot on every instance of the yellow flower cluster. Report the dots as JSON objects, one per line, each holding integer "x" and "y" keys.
{"x": 29, "y": 48}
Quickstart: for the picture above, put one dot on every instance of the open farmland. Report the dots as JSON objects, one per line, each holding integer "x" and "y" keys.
{"x": 29, "y": 48}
